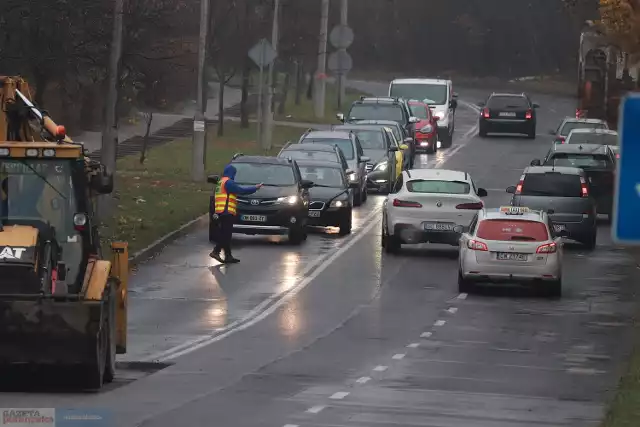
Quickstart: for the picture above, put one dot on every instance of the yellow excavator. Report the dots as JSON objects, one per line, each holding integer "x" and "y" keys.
{"x": 62, "y": 303}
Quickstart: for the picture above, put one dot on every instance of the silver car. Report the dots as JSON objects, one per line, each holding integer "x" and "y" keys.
{"x": 511, "y": 244}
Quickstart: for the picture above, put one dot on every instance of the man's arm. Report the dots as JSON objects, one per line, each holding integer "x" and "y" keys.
{"x": 234, "y": 188}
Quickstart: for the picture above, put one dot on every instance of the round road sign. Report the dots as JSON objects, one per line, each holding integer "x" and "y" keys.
{"x": 341, "y": 37}
{"x": 340, "y": 62}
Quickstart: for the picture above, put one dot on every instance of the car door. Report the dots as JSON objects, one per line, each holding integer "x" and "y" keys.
{"x": 362, "y": 164}
{"x": 398, "y": 157}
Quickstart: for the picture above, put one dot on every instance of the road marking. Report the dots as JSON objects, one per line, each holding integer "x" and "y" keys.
{"x": 291, "y": 425}
{"x": 398, "y": 356}
{"x": 439, "y": 322}
{"x": 584, "y": 371}
{"x": 363, "y": 380}
{"x": 414, "y": 345}
{"x": 315, "y": 409}
{"x": 380, "y": 368}
{"x": 275, "y": 301}
{"x": 425, "y": 335}
{"x": 453, "y": 310}
{"x": 462, "y": 296}
{"x": 339, "y": 395}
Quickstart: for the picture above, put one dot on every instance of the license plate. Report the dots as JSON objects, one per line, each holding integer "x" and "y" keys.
{"x": 511, "y": 256}
{"x": 507, "y": 114}
{"x": 254, "y": 218}
{"x": 314, "y": 214}
{"x": 558, "y": 227}
{"x": 436, "y": 226}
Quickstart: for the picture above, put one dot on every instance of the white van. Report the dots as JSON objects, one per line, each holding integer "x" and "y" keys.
{"x": 440, "y": 97}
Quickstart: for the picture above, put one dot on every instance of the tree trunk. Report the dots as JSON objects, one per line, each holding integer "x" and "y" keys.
{"x": 221, "y": 105}
{"x": 41, "y": 83}
{"x": 244, "y": 108}
{"x": 310, "y": 87}
{"x": 145, "y": 141}
{"x": 299, "y": 81}
{"x": 285, "y": 93}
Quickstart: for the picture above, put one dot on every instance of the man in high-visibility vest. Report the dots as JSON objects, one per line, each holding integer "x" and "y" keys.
{"x": 225, "y": 208}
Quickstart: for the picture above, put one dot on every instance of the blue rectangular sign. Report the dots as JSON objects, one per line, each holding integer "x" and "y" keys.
{"x": 626, "y": 209}
{"x": 87, "y": 417}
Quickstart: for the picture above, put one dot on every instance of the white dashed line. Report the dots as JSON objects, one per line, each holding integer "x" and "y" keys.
{"x": 291, "y": 425}
{"x": 363, "y": 380}
{"x": 339, "y": 395}
{"x": 425, "y": 335}
{"x": 584, "y": 371}
{"x": 414, "y": 345}
{"x": 452, "y": 310}
{"x": 398, "y": 356}
{"x": 315, "y": 409}
{"x": 462, "y": 296}
{"x": 380, "y": 368}
{"x": 439, "y": 323}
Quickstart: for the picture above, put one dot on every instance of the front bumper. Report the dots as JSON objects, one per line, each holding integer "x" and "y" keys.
{"x": 330, "y": 217}
{"x": 426, "y": 142}
{"x": 521, "y": 277}
{"x": 579, "y": 231}
{"x": 378, "y": 180}
{"x": 410, "y": 234}
{"x": 276, "y": 222}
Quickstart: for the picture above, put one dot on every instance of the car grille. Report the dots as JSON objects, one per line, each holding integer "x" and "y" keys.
{"x": 261, "y": 202}
{"x": 369, "y": 167}
{"x": 316, "y": 206}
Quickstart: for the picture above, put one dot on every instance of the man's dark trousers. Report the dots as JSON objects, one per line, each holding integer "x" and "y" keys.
{"x": 225, "y": 231}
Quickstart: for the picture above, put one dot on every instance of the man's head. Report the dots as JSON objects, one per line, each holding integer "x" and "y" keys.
{"x": 229, "y": 171}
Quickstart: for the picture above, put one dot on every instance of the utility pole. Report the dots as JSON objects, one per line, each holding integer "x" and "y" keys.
{"x": 321, "y": 82}
{"x": 267, "y": 132}
{"x": 199, "y": 121}
{"x": 342, "y": 77}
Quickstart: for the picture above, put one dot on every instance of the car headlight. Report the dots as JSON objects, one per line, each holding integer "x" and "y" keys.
{"x": 382, "y": 166}
{"x": 426, "y": 129}
{"x": 291, "y": 200}
{"x": 338, "y": 204}
{"x": 353, "y": 176}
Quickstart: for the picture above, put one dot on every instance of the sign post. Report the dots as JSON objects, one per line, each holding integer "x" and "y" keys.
{"x": 341, "y": 37}
{"x": 263, "y": 54}
{"x": 626, "y": 208}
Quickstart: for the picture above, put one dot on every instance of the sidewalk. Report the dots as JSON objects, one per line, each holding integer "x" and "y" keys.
{"x": 93, "y": 140}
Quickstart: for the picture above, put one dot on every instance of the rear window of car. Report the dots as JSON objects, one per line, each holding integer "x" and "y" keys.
{"x": 376, "y": 112}
{"x": 438, "y": 187}
{"x": 593, "y": 138}
{"x": 552, "y": 185}
{"x": 510, "y": 230}
{"x": 310, "y": 155}
{"x": 576, "y": 160}
{"x": 508, "y": 102}
{"x": 344, "y": 144}
{"x": 569, "y": 126}
{"x": 419, "y": 111}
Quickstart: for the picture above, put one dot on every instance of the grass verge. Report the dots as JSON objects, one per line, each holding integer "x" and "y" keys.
{"x": 158, "y": 197}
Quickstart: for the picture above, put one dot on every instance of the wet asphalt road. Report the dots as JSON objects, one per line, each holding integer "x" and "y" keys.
{"x": 335, "y": 333}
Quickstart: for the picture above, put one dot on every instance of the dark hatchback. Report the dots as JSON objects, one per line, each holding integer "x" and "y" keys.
{"x": 331, "y": 198}
{"x": 508, "y": 113}
{"x": 281, "y": 207}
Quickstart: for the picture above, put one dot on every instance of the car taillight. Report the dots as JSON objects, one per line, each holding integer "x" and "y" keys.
{"x": 520, "y": 184}
{"x": 476, "y": 206}
{"x": 485, "y": 113}
{"x": 617, "y": 155}
{"x": 474, "y": 245}
{"x": 406, "y": 204}
{"x": 549, "y": 248}
{"x": 529, "y": 115}
{"x": 585, "y": 189}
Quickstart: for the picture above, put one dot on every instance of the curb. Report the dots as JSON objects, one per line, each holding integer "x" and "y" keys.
{"x": 156, "y": 247}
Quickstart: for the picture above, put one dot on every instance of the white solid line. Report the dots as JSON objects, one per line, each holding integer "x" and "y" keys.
{"x": 425, "y": 335}
{"x": 339, "y": 395}
{"x": 363, "y": 380}
{"x": 291, "y": 425}
{"x": 584, "y": 371}
{"x": 462, "y": 296}
{"x": 398, "y": 356}
{"x": 269, "y": 306}
{"x": 315, "y": 409}
{"x": 414, "y": 345}
{"x": 439, "y": 322}
{"x": 452, "y": 310}
{"x": 380, "y": 368}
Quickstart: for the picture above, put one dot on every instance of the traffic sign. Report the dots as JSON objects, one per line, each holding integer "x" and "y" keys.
{"x": 341, "y": 36}
{"x": 340, "y": 62}
{"x": 626, "y": 209}
{"x": 262, "y": 53}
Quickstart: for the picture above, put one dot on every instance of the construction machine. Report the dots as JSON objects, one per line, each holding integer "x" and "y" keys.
{"x": 62, "y": 303}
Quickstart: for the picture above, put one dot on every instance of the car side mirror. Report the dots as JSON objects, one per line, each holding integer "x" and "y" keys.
{"x": 340, "y": 117}
{"x": 482, "y": 192}
{"x": 365, "y": 159}
{"x": 458, "y": 229}
{"x": 454, "y": 103}
{"x": 536, "y": 162}
{"x": 213, "y": 179}
{"x": 394, "y": 148}
{"x": 404, "y": 147}
{"x": 413, "y": 120}
{"x": 511, "y": 189}
{"x": 306, "y": 184}
{"x": 408, "y": 140}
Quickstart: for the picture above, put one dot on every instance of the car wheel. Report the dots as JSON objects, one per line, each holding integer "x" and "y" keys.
{"x": 554, "y": 289}
{"x": 357, "y": 198}
{"x": 590, "y": 243}
{"x": 482, "y": 131}
{"x": 432, "y": 149}
{"x": 345, "y": 224}
{"x": 392, "y": 245}
{"x": 531, "y": 134}
{"x": 364, "y": 194}
{"x": 447, "y": 140}
{"x": 465, "y": 286}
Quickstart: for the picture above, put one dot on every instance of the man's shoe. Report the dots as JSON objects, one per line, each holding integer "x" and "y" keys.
{"x": 216, "y": 255}
{"x": 231, "y": 260}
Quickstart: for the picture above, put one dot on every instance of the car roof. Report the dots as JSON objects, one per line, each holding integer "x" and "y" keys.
{"x": 496, "y": 213}
{"x": 336, "y": 134}
{"x": 380, "y": 100}
{"x": 576, "y": 120}
{"x": 309, "y": 147}
{"x": 565, "y": 170}
{"x": 319, "y": 164}
{"x": 440, "y": 174}
{"x": 375, "y": 122}
{"x": 580, "y": 148}
{"x": 593, "y": 130}
{"x": 420, "y": 81}
{"x": 267, "y": 160}
{"x": 508, "y": 94}
{"x": 356, "y": 126}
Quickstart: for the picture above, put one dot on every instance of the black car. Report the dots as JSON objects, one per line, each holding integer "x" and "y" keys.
{"x": 508, "y": 113}
{"x": 598, "y": 163}
{"x": 315, "y": 152}
{"x": 331, "y": 196}
{"x": 281, "y": 207}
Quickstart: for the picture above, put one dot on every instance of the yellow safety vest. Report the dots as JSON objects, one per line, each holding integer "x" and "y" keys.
{"x": 224, "y": 201}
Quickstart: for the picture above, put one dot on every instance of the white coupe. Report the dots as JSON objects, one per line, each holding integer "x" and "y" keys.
{"x": 426, "y": 205}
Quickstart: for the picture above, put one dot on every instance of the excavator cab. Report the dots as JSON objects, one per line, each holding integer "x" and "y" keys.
{"x": 61, "y": 302}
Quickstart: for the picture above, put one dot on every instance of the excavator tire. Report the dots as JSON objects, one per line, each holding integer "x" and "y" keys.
{"x": 110, "y": 365}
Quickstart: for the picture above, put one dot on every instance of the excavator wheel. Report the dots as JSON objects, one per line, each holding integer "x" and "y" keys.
{"x": 110, "y": 366}
{"x": 102, "y": 367}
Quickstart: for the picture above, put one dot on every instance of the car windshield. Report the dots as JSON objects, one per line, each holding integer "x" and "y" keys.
{"x": 510, "y": 230}
{"x": 344, "y": 144}
{"x": 419, "y": 111}
{"x": 432, "y": 94}
{"x": 323, "y": 176}
{"x": 371, "y": 139}
{"x": 310, "y": 155}
{"x": 508, "y": 102}
{"x": 272, "y": 175}
{"x": 569, "y": 126}
{"x": 376, "y": 112}
{"x": 551, "y": 185}
{"x": 593, "y": 138}
{"x": 438, "y": 187}
{"x": 577, "y": 160}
